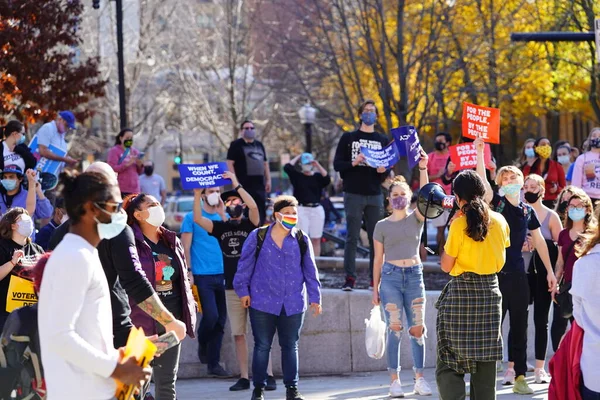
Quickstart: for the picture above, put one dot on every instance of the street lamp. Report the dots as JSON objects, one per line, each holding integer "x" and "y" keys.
{"x": 308, "y": 116}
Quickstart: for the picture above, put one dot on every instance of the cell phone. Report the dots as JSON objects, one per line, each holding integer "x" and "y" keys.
{"x": 141, "y": 155}
{"x": 165, "y": 342}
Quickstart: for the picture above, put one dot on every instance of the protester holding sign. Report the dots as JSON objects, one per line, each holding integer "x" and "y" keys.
{"x": 550, "y": 170}
{"x": 18, "y": 256}
{"x": 15, "y": 151}
{"x": 362, "y": 185}
{"x": 53, "y": 134}
{"x": 308, "y": 185}
{"x": 127, "y": 162}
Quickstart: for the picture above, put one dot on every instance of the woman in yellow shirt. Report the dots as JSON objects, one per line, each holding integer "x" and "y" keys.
{"x": 470, "y": 306}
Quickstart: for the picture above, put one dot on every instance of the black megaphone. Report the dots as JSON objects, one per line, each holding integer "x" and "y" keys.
{"x": 432, "y": 201}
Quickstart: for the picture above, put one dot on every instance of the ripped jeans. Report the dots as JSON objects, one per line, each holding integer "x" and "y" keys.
{"x": 402, "y": 290}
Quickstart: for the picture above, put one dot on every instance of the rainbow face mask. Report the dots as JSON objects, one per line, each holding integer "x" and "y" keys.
{"x": 288, "y": 221}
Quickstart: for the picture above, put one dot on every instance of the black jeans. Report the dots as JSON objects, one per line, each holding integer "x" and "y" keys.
{"x": 211, "y": 290}
{"x": 515, "y": 300}
{"x": 451, "y": 384}
{"x": 542, "y": 299}
{"x": 358, "y": 207}
{"x": 165, "y": 370}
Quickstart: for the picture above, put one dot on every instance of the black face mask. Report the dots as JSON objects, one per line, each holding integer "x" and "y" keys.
{"x": 148, "y": 170}
{"x": 235, "y": 211}
{"x": 531, "y": 197}
{"x": 128, "y": 143}
{"x": 562, "y": 207}
{"x": 595, "y": 143}
{"x": 439, "y": 146}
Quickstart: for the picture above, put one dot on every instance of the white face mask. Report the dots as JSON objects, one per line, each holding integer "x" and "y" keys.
{"x": 156, "y": 216}
{"x": 25, "y": 226}
{"x": 213, "y": 199}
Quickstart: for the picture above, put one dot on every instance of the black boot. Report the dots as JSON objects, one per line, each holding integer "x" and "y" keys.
{"x": 258, "y": 394}
{"x": 292, "y": 393}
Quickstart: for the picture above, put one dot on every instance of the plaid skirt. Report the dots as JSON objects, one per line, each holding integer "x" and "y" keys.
{"x": 469, "y": 322}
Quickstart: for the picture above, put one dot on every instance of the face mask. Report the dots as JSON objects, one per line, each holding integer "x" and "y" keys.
{"x": 21, "y": 140}
{"x": 235, "y": 211}
{"x": 531, "y": 197}
{"x": 576, "y": 215}
{"x": 399, "y": 203}
{"x": 156, "y": 216}
{"x": 212, "y": 199}
{"x": 564, "y": 159}
{"x": 368, "y": 118}
{"x": 562, "y": 207}
{"x": 288, "y": 221}
{"x": 529, "y": 153}
{"x": 111, "y": 229}
{"x": 64, "y": 219}
{"x": 250, "y": 134}
{"x": 25, "y": 226}
{"x": 440, "y": 146}
{"x": 128, "y": 143}
{"x": 595, "y": 143}
{"x": 9, "y": 184}
{"x": 307, "y": 168}
{"x": 148, "y": 170}
{"x": 512, "y": 189}
{"x": 544, "y": 151}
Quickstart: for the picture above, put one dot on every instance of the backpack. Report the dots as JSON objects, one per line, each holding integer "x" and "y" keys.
{"x": 21, "y": 372}
{"x": 260, "y": 240}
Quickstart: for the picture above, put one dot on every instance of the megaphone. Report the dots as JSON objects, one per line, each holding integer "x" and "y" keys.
{"x": 432, "y": 201}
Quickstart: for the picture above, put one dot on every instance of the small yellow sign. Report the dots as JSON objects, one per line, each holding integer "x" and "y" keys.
{"x": 140, "y": 347}
{"x": 20, "y": 293}
{"x": 197, "y": 298}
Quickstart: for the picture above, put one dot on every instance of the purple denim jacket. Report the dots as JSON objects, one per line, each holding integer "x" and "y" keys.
{"x": 139, "y": 317}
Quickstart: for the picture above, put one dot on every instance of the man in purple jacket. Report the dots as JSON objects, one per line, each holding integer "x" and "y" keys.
{"x": 274, "y": 286}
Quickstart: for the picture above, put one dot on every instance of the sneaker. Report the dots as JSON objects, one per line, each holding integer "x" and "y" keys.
{"x": 258, "y": 394}
{"x": 396, "y": 391}
{"x": 349, "y": 285}
{"x": 530, "y": 368}
{"x": 422, "y": 387}
{"x": 509, "y": 377}
{"x": 292, "y": 393}
{"x": 241, "y": 384}
{"x": 271, "y": 384}
{"x": 219, "y": 372}
{"x": 202, "y": 353}
{"x": 541, "y": 376}
{"x": 521, "y": 386}
{"x": 499, "y": 366}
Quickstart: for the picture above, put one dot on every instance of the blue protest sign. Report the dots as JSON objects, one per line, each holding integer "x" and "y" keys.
{"x": 201, "y": 176}
{"x": 407, "y": 142}
{"x": 45, "y": 165}
{"x": 400, "y": 135}
{"x": 386, "y": 157}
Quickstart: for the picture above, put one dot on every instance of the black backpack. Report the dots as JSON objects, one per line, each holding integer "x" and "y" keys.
{"x": 262, "y": 234}
{"x": 21, "y": 373}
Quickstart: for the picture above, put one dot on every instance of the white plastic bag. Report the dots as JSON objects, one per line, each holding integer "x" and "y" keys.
{"x": 375, "y": 334}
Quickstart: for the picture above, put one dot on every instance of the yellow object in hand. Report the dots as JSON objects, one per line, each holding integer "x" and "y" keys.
{"x": 143, "y": 350}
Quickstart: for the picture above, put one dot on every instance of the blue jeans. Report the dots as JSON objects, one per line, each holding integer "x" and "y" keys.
{"x": 288, "y": 329}
{"x": 358, "y": 207}
{"x": 402, "y": 290}
{"x": 587, "y": 394}
{"x": 211, "y": 290}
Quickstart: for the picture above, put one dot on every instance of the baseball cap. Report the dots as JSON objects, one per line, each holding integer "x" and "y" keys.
{"x": 12, "y": 169}
{"x": 307, "y": 158}
{"x": 69, "y": 118}
{"x": 228, "y": 194}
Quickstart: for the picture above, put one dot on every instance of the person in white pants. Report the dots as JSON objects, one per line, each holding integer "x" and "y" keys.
{"x": 308, "y": 185}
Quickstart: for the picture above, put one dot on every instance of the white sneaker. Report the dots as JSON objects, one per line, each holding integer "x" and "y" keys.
{"x": 509, "y": 377}
{"x": 541, "y": 376}
{"x": 396, "y": 389}
{"x": 422, "y": 387}
{"x": 530, "y": 368}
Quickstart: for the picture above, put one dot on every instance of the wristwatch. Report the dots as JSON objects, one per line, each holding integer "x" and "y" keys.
{"x": 238, "y": 187}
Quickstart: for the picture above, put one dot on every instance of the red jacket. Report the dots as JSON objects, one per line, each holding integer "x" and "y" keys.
{"x": 564, "y": 367}
{"x": 554, "y": 176}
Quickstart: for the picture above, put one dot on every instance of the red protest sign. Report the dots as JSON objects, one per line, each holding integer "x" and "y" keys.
{"x": 483, "y": 122}
{"x": 464, "y": 155}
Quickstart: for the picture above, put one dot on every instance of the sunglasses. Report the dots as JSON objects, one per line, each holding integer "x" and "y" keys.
{"x": 118, "y": 206}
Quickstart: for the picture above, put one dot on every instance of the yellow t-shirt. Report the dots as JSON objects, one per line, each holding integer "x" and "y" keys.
{"x": 482, "y": 258}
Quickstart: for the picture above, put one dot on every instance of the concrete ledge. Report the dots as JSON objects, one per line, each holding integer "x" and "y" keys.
{"x": 334, "y": 343}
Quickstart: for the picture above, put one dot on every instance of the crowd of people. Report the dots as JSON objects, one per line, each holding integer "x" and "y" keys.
{"x": 523, "y": 234}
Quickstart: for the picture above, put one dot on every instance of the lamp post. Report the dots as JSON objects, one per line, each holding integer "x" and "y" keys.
{"x": 308, "y": 115}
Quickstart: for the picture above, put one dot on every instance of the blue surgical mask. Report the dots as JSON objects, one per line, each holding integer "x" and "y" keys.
{"x": 112, "y": 229}
{"x": 9, "y": 184}
{"x": 512, "y": 189}
{"x": 576, "y": 215}
{"x": 368, "y": 118}
{"x": 529, "y": 153}
{"x": 564, "y": 159}
{"x": 21, "y": 140}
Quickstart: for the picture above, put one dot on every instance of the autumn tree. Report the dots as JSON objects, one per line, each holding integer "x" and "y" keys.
{"x": 40, "y": 70}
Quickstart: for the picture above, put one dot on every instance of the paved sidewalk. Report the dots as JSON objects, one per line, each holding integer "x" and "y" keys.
{"x": 366, "y": 386}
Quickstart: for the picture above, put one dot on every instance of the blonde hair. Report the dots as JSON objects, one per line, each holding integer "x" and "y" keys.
{"x": 508, "y": 169}
{"x": 539, "y": 180}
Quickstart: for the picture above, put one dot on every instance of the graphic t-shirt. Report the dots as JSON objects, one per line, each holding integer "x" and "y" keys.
{"x": 12, "y": 158}
{"x": 231, "y": 237}
{"x": 167, "y": 276}
{"x": 586, "y": 174}
{"x": 249, "y": 163}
